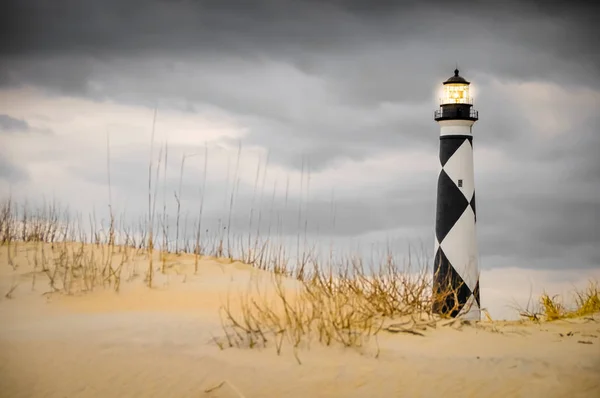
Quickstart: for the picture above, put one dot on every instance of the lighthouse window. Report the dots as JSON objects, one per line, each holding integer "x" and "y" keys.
{"x": 456, "y": 94}
{"x": 460, "y": 183}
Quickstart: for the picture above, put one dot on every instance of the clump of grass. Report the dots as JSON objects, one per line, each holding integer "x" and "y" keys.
{"x": 551, "y": 308}
{"x": 588, "y": 300}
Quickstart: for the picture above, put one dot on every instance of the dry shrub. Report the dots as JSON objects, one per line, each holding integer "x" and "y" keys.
{"x": 450, "y": 295}
{"x": 448, "y": 302}
{"x": 347, "y": 307}
{"x": 310, "y": 312}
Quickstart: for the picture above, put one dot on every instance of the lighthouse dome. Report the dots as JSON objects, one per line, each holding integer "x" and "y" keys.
{"x": 456, "y": 79}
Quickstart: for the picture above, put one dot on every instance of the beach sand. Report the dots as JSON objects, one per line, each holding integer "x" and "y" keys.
{"x": 159, "y": 342}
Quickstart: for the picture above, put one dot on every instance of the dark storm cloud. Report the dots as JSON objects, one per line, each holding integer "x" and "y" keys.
{"x": 533, "y": 228}
{"x": 139, "y": 25}
{"x": 349, "y": 59}
{"x": 320, "y": 37}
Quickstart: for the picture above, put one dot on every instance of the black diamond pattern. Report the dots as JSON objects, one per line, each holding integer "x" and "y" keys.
{"x": 445, "y": 277}
{"x": 476, "y": 294}
{"x": 451, "y": 204}
{"x": 473, "y": 206}
{"x": 448, "y": 147}
{"x": 440, "y": 261}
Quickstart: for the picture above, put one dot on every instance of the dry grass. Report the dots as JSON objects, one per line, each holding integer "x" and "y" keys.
{"x": 56, "y": 246}
{"x": 551, "y": 308}
{"x": 588, "y": 300}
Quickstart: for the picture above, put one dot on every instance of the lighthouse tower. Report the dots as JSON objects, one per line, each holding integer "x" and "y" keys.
{"x": 456, "y": 270}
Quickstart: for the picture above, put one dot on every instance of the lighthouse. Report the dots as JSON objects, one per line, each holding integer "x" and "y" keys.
{"x": 456, "y": 269}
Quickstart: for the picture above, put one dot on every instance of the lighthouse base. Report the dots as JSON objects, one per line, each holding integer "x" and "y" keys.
{"x": 452, "y": 297}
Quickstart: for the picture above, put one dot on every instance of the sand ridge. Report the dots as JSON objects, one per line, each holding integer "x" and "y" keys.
{"x": 158, "y": 342}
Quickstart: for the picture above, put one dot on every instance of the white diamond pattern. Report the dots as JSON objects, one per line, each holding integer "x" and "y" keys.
{"x": 460, "y": 167}
{"x": 461, "y": 249}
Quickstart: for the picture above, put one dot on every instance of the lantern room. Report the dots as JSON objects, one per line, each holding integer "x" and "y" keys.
{"x": 456, "y": 90}
{"x": 456, "y": 102}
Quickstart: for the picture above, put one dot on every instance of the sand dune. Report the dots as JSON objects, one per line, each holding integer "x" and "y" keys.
{"x": 158, "y": 342}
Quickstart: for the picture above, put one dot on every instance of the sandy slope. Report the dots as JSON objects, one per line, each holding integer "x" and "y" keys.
{"x": 157, "y": 343}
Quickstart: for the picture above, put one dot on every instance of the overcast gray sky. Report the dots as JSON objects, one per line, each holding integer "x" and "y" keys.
{"x": 348, "y": 86}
